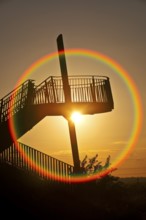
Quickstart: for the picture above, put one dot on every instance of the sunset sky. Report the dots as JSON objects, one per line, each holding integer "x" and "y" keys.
{"x": 116, "y": 28}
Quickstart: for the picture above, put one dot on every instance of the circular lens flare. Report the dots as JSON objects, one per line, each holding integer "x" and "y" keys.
{"x": 137, "y": 106}
{"x": 76, "y": 117}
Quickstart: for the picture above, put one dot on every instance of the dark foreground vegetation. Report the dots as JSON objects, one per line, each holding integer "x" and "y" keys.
{"x": 23, "y": 196}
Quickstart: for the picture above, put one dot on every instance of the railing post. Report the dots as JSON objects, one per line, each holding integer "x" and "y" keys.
{"x": 109, "y": 93}
{"x": 46, "y": 92}
{"x": 52, "y": 82}
{"x": 30, "y": 93}
{"x": 21, "y": 98}
{"x": 93, "y": 89}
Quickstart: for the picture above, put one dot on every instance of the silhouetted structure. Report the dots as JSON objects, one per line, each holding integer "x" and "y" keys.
{"x": 47, "y": 165}
{"x": 28, "y": 104}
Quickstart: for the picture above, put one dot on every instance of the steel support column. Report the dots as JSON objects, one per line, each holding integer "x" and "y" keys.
{"x": 67, "y": 94}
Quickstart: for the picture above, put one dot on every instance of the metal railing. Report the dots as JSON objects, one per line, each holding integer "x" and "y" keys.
{"x": 84, "y": 89}
{"x": 16, "y": 100}
{"x": 49, "y": 91}
{"x": 88, "y": 89}
{"x": 36, "y": 162}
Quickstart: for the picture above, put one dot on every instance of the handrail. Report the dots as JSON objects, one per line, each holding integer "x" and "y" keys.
{"x": 16, "y": 156}
{"x": 16, "y": 100}
{"x": 16, "y": 88}
{"x": 83, "y": 89}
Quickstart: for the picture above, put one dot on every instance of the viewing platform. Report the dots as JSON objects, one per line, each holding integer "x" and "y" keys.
{"x": 89, "y": 95}
{"x": 30, "y": 103}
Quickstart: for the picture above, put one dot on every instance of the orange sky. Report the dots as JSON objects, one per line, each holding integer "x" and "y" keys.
{"x": 117, "y": 29}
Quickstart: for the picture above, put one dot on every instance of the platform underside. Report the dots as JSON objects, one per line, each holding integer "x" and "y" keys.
{"x": 64, "y": 109}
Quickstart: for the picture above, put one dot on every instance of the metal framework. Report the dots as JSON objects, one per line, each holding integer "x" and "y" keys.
{"x": 57, "y": 95}
{"x": 84, "y": 90}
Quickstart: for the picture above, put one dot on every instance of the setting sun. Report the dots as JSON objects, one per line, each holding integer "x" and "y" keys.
{"x": 76, "y": 117}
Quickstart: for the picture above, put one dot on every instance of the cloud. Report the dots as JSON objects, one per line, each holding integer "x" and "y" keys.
{"x": 61, "y": 152}
{"x": 119, "y": 142}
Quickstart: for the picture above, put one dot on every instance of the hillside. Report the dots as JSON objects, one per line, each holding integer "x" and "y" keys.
{"x": 24, "y": 195}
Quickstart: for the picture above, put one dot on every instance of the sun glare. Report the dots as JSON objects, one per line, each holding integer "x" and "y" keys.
{"x": 76, "y": 117}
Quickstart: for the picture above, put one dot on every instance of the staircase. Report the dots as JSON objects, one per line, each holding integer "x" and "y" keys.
{"x": 28, "y": 104}
{"x": 33, "y": 161}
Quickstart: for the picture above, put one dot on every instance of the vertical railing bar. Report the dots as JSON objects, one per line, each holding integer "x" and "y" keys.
{"x": 30, "y": 158}
{"x": 53, "y": 89}
{"x": 35, "y": 160}
{"x": 46, "y": 167}
{"x": 9, "y": 154}
{"x": 25, "y": 159}
{"x": 22, "y": 153}
{"x": 49, "y": 167}
{"x": 40, "y": 164}
{"x": 16, "y": 155}
{"x": 26, "y": 153}
{"x": 46, "y": 93}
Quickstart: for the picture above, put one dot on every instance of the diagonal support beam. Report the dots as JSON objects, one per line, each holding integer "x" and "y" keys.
{"x": 67, "y": 94}
{"x": 74, "y": 145}
{"x": 63, "y": 68}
